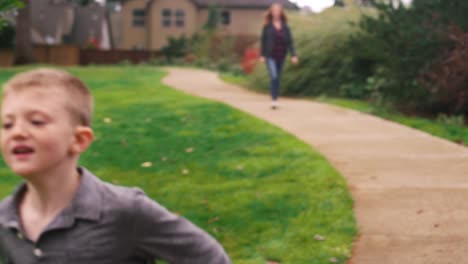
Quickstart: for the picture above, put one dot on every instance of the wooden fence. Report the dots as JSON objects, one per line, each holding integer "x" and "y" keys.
{"x": 6, "y": 58}
{"x": 88, "y": 56}
{"x": 66, "y": 55}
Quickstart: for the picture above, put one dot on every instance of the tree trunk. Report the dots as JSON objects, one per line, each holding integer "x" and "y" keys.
{"x": 23, "y": 41}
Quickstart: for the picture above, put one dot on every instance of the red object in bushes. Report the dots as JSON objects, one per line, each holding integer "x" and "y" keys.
{"x": 250, "y": 60}
{"x": 93, "y": 43}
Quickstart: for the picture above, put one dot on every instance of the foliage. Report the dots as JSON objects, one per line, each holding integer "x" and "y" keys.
{"x": 260, "y": 191}
{"x": 339, "y": 3}
{"x": 409, "y": 46}
{"x": 7, "y": 36}
{"x": 7, "y": 5}
{"x": 447, "y": 78}
{"x": 215, "y": 46}
{"x": 236, "y": 79}
{"x": 213, "y": 18}
{"x": 175, "y": 48}
{"x": 211, "y": 49}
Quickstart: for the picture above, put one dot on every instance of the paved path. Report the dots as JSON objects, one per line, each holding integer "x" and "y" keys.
{"x": 410, "y": 188}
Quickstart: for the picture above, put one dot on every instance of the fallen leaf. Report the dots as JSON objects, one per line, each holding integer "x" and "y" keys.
{"x": 319, "y": 237}
{"x": 164, "y": 158}
{"x": 185, "y": 171}
{"x": 240, "y": 167}
{"x": 333, "y": 260}
{"x": 107, "y": 120}
{"x": 147, "y": 164}
{"x": 212, "y": 220}
{"x": 124, "y": 142}
{"x": 189, "y": 150}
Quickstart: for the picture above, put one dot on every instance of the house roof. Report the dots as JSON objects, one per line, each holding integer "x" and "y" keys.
{"x": 244, "y": 3}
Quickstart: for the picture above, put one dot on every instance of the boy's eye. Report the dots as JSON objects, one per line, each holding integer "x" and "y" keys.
{"x": 37, "y": 122}
{"x": 7, "y": 125}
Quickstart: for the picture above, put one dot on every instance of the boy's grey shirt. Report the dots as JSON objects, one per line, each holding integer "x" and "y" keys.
{"x": 107, "y": 224}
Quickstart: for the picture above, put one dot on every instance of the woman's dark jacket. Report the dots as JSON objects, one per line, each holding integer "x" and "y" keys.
{"x": 268, "y": 40}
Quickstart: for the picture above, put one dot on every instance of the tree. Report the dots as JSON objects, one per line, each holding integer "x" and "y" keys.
{"x": 23, "y": 42}
{"x": 417, "y": 54}
{"x": 5, "y": 6}
{"x": 213, "y": 18}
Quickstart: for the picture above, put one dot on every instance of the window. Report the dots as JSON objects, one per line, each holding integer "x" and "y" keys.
{"x": 139, "y": 17}
{"x": 180, "y": 18}
{"x": 226, "y": 17}
{"x": 166, "y": 17}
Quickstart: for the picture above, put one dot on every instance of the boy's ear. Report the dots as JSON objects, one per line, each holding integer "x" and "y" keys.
{"x": 83, "y": 138}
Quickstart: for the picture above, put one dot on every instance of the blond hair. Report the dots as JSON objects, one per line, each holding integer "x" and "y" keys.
{"x": 79, "y": 98}
{"x": 269, "y": 14}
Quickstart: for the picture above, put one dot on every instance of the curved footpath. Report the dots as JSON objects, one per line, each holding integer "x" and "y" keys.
{"x": 410, "y": 188}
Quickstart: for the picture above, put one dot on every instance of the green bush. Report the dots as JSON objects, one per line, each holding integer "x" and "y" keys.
{"x": 7, "y": 36}
{"x": 175, "y": 48}
{"x": 405, "y": 44}
{"x": 327, "y": 65}
{"x": 208, "y": 49}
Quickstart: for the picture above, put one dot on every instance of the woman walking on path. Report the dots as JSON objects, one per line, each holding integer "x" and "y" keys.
{"x": 277, "y": 41}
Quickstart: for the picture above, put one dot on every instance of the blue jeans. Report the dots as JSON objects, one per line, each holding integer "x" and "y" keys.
{"x": 275, "y": 67}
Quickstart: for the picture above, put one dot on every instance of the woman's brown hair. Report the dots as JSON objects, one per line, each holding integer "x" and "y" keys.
{"x": 269, "y": 14}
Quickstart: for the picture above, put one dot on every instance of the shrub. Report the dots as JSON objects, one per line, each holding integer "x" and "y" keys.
{"x": 410, "y": 48}
{"x": 175, "y": 48}
{"x": 7, "y": 36}
{"x": 210, "y": 48}
{"x": 447, "y": 78}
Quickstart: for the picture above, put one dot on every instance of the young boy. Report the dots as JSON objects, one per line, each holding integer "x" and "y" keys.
{"x": 65, "y": 214}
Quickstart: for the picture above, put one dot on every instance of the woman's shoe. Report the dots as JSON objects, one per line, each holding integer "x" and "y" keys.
{"x": 274, "y": 105}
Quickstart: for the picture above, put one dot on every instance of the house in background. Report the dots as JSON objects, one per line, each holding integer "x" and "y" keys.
{"x": 56, "y": 22}
{"x": 147, "y": 24}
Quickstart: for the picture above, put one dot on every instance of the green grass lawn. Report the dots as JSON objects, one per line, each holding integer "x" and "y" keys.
{"x": 453, "y": 131}
{"x": 240, "y": 80}
{"x": 260, "y": 191}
